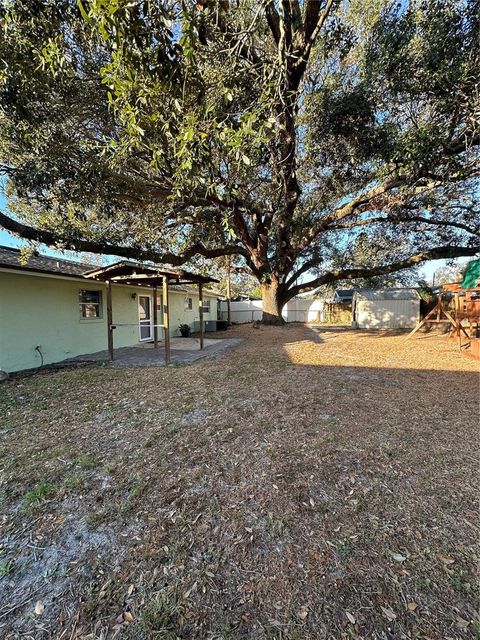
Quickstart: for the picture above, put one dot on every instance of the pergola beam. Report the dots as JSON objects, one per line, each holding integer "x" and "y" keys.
{"x": 138, "y": 276}
{"x": 149, "y": 281}
{"x": 125, "y": 270}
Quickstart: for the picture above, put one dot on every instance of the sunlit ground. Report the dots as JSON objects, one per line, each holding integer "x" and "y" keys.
{"x": 304, "y": 485}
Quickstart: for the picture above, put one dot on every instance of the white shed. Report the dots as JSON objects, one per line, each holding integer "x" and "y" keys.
{"x": 386, "y": 308}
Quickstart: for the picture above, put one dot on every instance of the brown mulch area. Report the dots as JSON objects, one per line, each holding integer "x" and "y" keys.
{"x": 304, "y": 485}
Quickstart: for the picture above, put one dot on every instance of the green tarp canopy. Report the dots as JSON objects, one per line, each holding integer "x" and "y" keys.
{"x": 471, "y": 278}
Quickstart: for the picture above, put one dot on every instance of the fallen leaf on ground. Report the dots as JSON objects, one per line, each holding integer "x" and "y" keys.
{"x": 39, "y": 608}
{"x": 398, "y": 557}
{"x": 350, "y": 617}
{"x": 462, "y": 624}
{"x": 192, "y": 588}
{"x": 388, "y": 613}
{"x": 302, "y": 613}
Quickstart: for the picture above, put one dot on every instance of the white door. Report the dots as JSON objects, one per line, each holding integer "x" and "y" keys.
{"x": 145, "y": 318}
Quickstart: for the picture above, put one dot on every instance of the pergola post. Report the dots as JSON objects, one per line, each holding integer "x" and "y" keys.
{"x": 200, "y": 312}
{"x": 229, "y": 292}
{"x": 155, "y": 318}
{"x": 109, "y": 319}
{"x": 166, "y": 320}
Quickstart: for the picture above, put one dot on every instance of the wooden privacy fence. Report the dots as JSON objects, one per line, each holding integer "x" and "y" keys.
{"x": 337, "y": 313}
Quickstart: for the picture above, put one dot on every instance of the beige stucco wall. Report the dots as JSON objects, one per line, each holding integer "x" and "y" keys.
{"x": 180, "y": 315}
{"x": 38, "y": 310}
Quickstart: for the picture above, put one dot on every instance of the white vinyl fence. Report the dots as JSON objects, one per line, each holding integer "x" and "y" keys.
{"x": 296, "y": 310}
{"x": 241, "y": 312}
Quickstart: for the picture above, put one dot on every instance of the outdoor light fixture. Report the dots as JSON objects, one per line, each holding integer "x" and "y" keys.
{"x": 134, "y": 296}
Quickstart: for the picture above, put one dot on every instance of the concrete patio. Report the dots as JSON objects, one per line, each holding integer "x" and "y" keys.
{"x": 183, "y": 351}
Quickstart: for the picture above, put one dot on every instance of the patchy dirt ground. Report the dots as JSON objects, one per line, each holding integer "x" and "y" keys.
{"x": 305, "y": 485}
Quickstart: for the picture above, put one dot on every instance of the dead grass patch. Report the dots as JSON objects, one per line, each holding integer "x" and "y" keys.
{"x": 301, "y": 486}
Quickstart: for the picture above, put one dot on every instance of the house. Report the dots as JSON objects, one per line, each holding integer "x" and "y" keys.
{"x": 53, "y": 309}
{"x": 385, "y": 308}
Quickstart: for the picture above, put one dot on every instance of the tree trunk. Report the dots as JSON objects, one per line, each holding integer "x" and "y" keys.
{"x": 272, "y": 304}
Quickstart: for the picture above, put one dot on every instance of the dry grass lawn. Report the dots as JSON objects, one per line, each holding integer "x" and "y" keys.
{"x": 305, "y": 485}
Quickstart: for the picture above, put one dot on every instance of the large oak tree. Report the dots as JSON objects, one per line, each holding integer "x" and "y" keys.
{"x": 282, "y": 133}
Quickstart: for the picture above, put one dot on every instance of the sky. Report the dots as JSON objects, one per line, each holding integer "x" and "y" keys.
{"x": 9, "y": 240}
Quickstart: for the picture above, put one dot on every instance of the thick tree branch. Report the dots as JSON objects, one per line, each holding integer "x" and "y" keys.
{"x": 436, "y": 253}
{"x": 462, "y": 144}
{"x": 320, "y": 21}
{"x": 349, "y": 208}
{"x": 273, "y": 20}
{"x": 134, "y": 253}
{"x": 400, "y": 219}
{"x": 241, "y": 229}
{"x": 306, "y": 266}
{"x": 361, "y": 201}
{"x": 312, "y": 11}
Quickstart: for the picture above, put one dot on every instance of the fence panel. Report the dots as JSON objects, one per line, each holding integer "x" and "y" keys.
{"x": 296, "y": 310}
{"x": 243, "y": 311}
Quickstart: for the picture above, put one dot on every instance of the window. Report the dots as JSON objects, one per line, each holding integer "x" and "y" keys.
{"x": 188, "y": 304}
{"x": 90, "y": 303}
{"x": 206, "y": 306}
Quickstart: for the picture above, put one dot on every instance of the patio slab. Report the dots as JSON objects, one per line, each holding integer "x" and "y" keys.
{"x": 182, "y": 351}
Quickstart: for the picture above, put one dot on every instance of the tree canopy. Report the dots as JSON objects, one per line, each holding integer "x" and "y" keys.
{"x": 312, "y": 141}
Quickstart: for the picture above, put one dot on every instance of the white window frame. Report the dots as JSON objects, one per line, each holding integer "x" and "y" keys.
{"x": 188, "y": 304}
{"x": 206, "y": 306}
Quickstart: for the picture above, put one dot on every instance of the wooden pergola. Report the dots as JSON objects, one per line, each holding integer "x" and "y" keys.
{"x": 151, "y": 277}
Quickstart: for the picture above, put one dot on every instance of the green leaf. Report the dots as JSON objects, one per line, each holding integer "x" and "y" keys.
{"x": 85, "y": 15}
